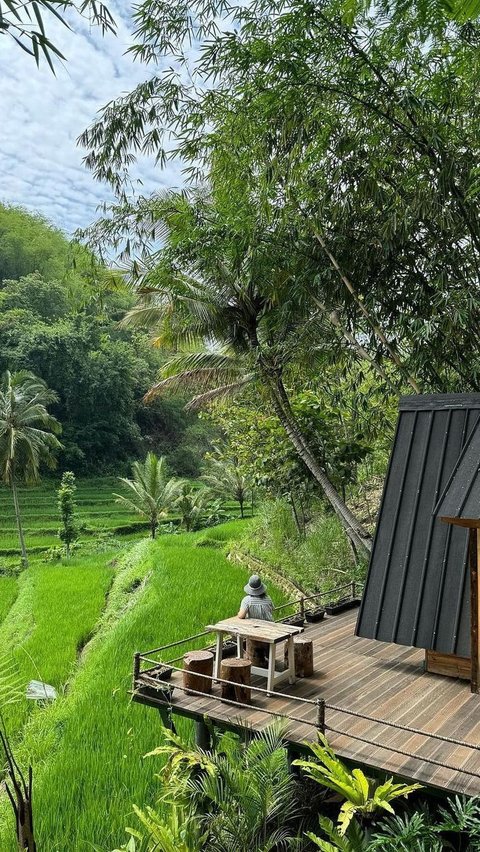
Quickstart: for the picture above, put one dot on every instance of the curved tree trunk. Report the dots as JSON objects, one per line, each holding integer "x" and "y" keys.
{"x": 19, "y": 521}
{"x": 352, "y": 526}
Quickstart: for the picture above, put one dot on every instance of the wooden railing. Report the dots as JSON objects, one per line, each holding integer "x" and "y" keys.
{"x": 299, "y": 603}
{"x": 319, "y": 718}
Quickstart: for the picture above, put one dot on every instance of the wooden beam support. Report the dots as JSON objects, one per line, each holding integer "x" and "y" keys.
{"x": 448, "y": 665}
{"x": 473, "y": 559}
{"x": 202, "y": 735}
{"x": 166, "y": 717}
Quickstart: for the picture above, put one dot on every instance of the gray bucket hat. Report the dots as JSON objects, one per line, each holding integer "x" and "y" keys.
{"x": 254, "y": 586}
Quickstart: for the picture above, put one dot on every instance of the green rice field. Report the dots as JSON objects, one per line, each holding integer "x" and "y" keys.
{"x": 97, "y": 511}
{"x": 76, "y": 625}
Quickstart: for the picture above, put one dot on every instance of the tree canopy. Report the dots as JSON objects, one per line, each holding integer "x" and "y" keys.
{"x": 59, "y": 319}
{"x": 354, "y": 140}
{"x": 331, "y": 206}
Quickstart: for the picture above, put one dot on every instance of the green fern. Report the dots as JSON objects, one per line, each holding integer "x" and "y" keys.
{"x": 362, "y": 795}
{"x": 355, "y": 841}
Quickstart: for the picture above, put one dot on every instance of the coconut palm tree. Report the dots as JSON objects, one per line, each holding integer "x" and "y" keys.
{"x": 241, "y": 794}
{"x": 27, "y": 435}
{"x": 229, "y": 304}
{"x": 225, "y": 479}
{"x": 191, "y": 504}
{"x": 151, "y": 493}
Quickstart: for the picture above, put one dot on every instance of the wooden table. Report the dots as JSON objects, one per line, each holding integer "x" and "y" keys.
{"x": 264, "y": 631}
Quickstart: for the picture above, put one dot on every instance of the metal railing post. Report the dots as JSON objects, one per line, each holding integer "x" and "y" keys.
{"x": 302, "y": 606}
{"x": 136, "y": 669}
{"x": 353, "y": 589}
{"x": 321, "y": 715}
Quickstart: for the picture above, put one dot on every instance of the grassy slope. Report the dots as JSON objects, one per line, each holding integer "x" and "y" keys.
{"x": 53, "y": 615}
{"x": 8, "y": 593}
{"x": 87, "y": 748}
{"x": 318, "y": 561}
{"x": 96, "y": 510}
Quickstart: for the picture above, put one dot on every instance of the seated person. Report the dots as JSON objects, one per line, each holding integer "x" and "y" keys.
{"x": 256, "y": 604}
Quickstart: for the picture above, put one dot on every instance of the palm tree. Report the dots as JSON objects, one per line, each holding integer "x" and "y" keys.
{"x": 151, "y": 493}
{"x": 230, "y": 305}
{"x": 225, "y": 478}
{"x": 191, "y": 503}
{"x": 27, "y": 434}
{"x": 242, "y": 795}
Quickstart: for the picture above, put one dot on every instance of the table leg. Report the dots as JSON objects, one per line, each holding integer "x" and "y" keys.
{"x": 291, "y": 660}
{"x": 271, "y": 668}
{"x": 239, "y": 646}
{"x": 218, "y": 655}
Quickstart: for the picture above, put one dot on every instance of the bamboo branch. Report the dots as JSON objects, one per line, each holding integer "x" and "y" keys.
{"x": 358, "y": 301}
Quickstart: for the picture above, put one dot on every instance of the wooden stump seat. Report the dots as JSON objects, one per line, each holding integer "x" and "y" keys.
{"x": 256, "y": 652}
{"x": 239, "y": 671}
{"x": 196, "y": 664}
{"x": 303, "y": 649}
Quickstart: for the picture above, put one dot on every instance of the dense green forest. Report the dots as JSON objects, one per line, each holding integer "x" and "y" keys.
{"x": 59, "y": 318}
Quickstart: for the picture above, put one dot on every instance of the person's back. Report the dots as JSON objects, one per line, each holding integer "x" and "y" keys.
{"x": 256, "y": 603}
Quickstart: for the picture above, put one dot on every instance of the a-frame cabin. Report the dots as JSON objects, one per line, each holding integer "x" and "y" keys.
{"x": 418, "y": 590}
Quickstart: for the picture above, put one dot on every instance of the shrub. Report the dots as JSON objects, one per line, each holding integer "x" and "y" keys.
{"x": 68, "y": 532}
{"x": 318, "y": 561}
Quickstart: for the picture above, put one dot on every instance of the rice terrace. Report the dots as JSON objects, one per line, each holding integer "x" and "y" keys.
{"x": 239, "y": 426}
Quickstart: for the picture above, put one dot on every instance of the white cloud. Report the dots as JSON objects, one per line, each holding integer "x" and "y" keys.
{"x": 41, "y": 116}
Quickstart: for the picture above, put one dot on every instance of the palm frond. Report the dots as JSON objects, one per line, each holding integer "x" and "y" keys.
{"x": 186, "y": 381}
{"x": 205, "y": 360}
{"x": 222, "y": 392}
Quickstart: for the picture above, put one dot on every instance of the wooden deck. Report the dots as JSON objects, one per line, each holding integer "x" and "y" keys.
{"x": 359, "y": 676}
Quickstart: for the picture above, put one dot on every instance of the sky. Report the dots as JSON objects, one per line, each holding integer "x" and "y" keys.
{"x": 41, "y": 116}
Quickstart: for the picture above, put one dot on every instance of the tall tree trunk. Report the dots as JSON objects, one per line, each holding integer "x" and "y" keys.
{"x": 295, "y": 515}
{"x": 18, "y": 520}
{"x": 352, "y": 526}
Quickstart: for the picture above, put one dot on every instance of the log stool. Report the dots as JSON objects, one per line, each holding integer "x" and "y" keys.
{"x": 238, "y": 671}
{"x": 257, "y": 653}
{"x": 196, "y": 664}
{"x": 303, "y": 656}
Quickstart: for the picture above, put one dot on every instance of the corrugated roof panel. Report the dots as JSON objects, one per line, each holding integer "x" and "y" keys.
{"x": 461, "y": 498}
{"x": 416, "y": 593}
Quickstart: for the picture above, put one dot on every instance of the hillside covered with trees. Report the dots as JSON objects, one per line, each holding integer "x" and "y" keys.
{"x": 60, "y": 311}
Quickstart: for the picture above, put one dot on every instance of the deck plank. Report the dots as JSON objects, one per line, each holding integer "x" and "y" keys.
{"x": 384, "y": 681}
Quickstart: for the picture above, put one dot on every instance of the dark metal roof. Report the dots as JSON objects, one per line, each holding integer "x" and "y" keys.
{"x": 460, "y": 501}
{"x": 416, "y": 591}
